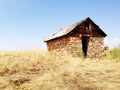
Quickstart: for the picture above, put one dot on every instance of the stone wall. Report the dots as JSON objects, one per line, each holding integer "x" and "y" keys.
{"x": 72, "y": 45}
{"x": 67, "y": 45}
{"x": 96, "y": 47}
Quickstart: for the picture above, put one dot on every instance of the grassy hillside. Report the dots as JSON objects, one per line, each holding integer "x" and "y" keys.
{"x": 39, "y": 70}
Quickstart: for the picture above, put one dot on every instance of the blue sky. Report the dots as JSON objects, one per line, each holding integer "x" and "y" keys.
{"x": 24, "y": 23}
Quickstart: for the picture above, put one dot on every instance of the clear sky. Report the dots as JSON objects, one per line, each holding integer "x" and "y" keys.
{"x": 24, "y": 23}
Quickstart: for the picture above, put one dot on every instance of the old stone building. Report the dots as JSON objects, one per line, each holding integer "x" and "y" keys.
{"x": 82, "y": 38}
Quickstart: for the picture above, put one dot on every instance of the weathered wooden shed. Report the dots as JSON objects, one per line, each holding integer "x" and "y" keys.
{"x": 84, "y": 37}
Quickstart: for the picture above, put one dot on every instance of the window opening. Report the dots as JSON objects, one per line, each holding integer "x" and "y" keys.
{"x": 86, "y": 25}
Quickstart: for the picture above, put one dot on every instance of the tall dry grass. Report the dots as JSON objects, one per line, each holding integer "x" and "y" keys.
{"x": 40, "y": 70}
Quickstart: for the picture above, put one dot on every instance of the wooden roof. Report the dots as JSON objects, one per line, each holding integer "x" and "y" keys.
{"x": 67, "y": 30}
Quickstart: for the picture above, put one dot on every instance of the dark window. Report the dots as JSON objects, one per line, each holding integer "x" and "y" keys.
{"x": 86, "y": 25}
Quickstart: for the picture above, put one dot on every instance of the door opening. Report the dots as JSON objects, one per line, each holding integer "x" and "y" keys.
{"x": 85, "y": 41}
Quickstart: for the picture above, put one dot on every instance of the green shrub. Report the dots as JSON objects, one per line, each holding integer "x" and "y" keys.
{"x": 115, "y": 53}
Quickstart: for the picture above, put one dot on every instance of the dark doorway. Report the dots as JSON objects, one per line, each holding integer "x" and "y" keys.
{"x": 85, "y": 41}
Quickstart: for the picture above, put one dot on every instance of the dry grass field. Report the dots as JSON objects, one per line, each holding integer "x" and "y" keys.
{"x": 40, "y": 70}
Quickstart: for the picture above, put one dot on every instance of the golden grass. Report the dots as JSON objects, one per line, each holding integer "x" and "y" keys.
{"x": 40, "y": 70}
